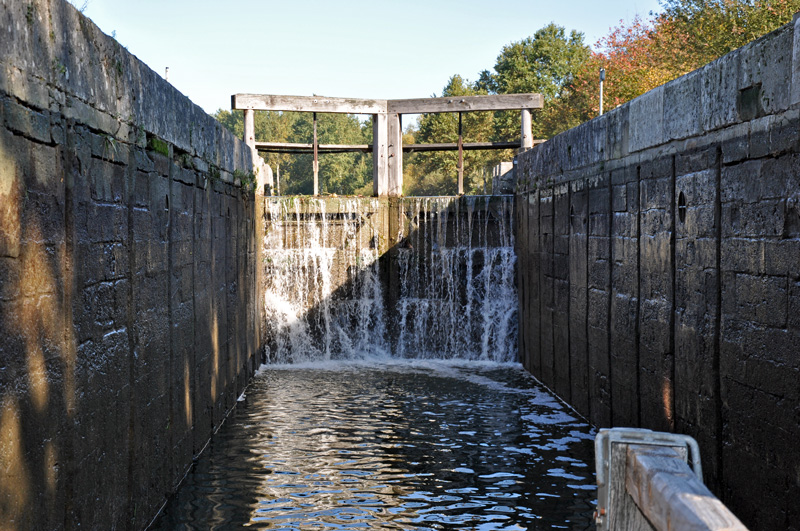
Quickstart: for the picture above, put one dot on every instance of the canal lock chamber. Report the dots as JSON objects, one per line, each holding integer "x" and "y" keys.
{"x": 390, "y": 394}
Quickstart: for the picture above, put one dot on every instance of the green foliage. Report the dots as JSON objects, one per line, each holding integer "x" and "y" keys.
{"x": 436, "y": 173}
{"x": 339, "y": 173}
{"x": 695, "y": 32}
{"x": 544, "y": 63}
{"x": 247, "y": 180}
{"x": 158, "y": 145}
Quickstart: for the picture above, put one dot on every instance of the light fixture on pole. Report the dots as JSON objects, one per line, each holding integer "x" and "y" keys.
{"x": 602, "y": 78}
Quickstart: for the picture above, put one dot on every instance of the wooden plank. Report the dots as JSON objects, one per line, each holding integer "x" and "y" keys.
{"x": 249, "y": 128}
{"x": 380, "y": 155}
{"x": 287, "y": 147}
{"x": 316, "y": 157}
{"x": 269, "y": 102}
{"x": 453, "y": 146}
{"x": 395, "y": 154}
{"x": 494, "y": 102}
{"x": 526, "y": 136}
{"x": 670, "y": 495}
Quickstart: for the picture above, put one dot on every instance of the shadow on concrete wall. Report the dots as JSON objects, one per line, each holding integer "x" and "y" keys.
{"x": 126, "y": 318}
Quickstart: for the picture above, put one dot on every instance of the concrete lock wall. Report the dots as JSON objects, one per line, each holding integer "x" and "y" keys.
{"x": 659, "y": 270}
{"x": 127, "y": 262}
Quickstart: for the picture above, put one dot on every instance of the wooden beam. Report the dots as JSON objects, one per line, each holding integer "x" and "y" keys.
{"x": 266, "y": 102}
{"x": 286, "y": 147}
{"x": 395, "y": 154}
{"x": 494, "y": 102}
{"x": 526, "y": 135}
{"x": 670, "y": 495}
{"x": 380, "y": 155}
{"x": 460, "y": 156}
{"x": 298, "y": 148}
{"x": 249, "y": 128}
{"x": 453, "y": 146}
{"x": 316, "y": 157}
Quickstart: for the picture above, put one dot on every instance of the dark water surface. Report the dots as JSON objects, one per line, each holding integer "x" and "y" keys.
{"x": 406, "y": 445}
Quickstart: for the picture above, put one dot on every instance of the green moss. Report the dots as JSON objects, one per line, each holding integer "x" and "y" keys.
{"x": 246, "y": 179}
{"x": 158, "y": 145}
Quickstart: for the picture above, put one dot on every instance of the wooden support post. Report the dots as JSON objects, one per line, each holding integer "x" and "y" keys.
{"x": 250, "y": 128}
{"x": 380, "y": 155}
{"x": 395, "y": 155}
{"x": 316, "y": 158}
{"x": 460, "y": 157}
{"x": 526, "y": 133}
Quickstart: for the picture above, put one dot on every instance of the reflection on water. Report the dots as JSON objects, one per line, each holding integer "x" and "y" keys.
{"x": 412, "y": 445}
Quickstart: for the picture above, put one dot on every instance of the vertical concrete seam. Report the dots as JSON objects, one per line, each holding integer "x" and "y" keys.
{"x": 193, "y": 352}
{"x": 70, "y": 282}
{"x": 569, "y": 296}
{"x": 637, "y": 328}
{"x": 586, "y": 238}
{"x": 610, "y": 297}
{"x": 539, "y": 278}
{"x": 673, "y": 269}
{"x": 553, "y": 289}
{"x": 716, "y": 363}
{"x": 129, "y": 197}
{"x": 170, "y": 322}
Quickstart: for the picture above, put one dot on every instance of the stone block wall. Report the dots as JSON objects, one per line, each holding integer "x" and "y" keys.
{"x": 659, "y": 270}
{"x": 127, "y": 266}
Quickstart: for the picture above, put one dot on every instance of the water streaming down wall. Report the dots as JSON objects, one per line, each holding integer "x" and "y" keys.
{"x": 349, "y": 278}
{"x": 457, "y": 296}
{"x": 323, "y": 297}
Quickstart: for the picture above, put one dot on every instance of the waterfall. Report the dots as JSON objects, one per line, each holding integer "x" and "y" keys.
{"x": 323, "y": 296}
{"x": 350, "y": 278}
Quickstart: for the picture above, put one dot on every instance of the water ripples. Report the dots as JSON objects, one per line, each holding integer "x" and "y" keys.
{"x": 396, "y": 446}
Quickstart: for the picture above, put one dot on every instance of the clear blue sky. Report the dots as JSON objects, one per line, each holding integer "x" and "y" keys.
{"x": 346, "y": 48}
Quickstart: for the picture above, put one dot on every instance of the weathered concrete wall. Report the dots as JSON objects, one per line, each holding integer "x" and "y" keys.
{"x": 127, "y": 262}
{"x": 659, "y": 276}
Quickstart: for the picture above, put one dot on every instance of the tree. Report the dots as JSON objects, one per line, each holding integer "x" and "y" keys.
{"x": 546, "y": 63}
{"x": 689, "y": 34}
{"x": 339, "y": 173}
{"x": 435, "y": 173}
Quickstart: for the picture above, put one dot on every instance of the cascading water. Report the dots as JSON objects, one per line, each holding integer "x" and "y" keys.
{"x": 456, "y": 276}
{"x": 323, "y": 296}
{"x": 435, "y": 280}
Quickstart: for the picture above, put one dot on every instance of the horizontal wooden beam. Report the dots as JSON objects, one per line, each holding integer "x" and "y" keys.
{"x": 453, "y": 146}
{"x": 494, "y": 102}
{"x": 266, "y": 102}
{"x": 286, "y": 147}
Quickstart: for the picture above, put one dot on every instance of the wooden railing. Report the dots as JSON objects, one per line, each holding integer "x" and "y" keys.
{"x": 644, "y": 482}
{"x": 387, "y": 147}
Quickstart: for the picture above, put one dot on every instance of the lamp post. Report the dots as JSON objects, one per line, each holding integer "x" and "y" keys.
{"x": 602, "y": 78}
